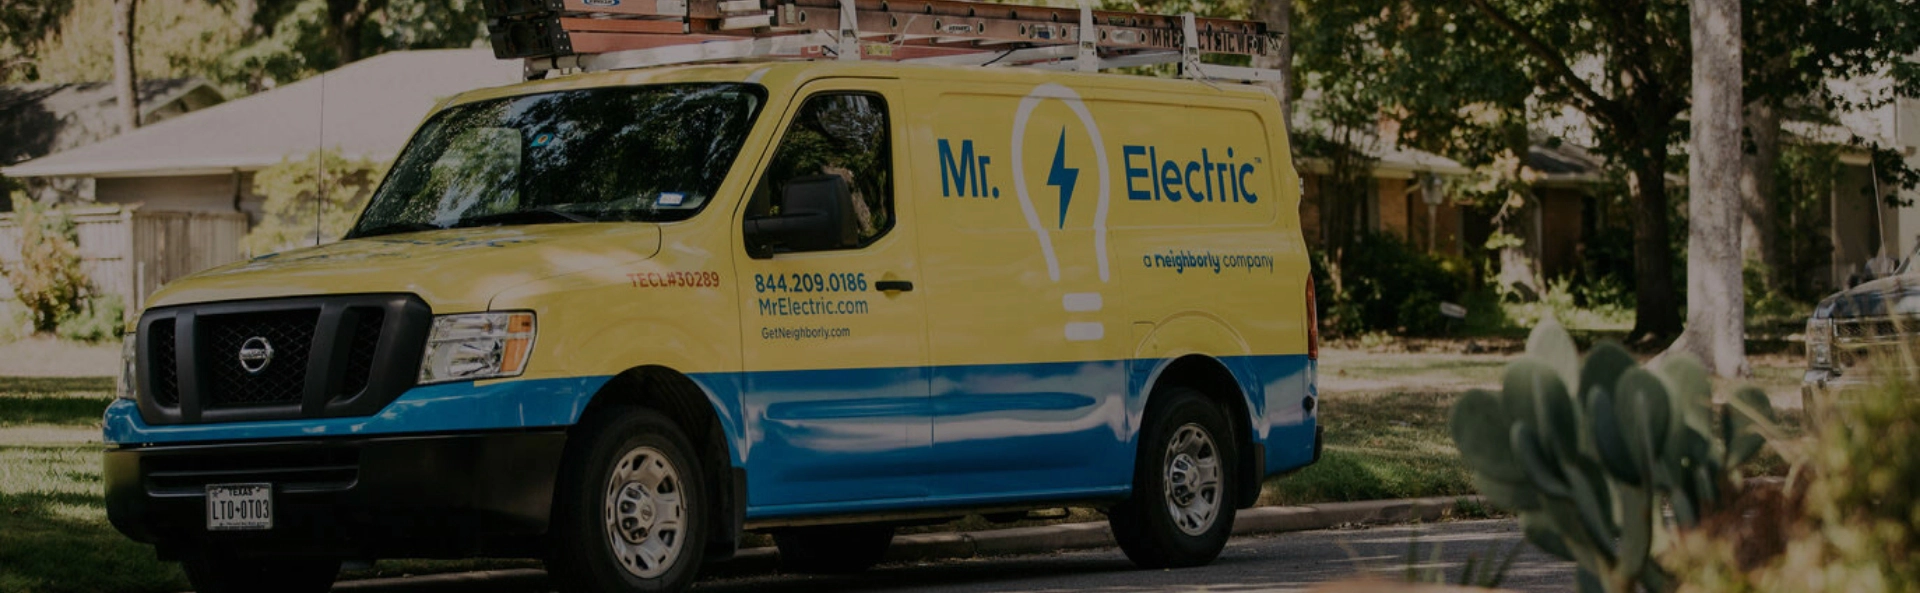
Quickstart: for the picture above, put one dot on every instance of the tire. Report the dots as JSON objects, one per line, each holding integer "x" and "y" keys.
{"x": 220, "y": 572}
{"x": 630, "y": 511}
{"x": 832, "y": 549}
{"x": 1186, "y": 429}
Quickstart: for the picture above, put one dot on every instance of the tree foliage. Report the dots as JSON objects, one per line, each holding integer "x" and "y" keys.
{"x": 323, "y": 184}
{"x": 23, "y": 25}
{"x": 244, "y": 46}
{"x": 1479, "y": 79}
{"x": 47, "y": 279}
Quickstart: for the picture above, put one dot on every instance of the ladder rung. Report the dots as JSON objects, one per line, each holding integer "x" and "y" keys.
{"x": 653, "y": 26}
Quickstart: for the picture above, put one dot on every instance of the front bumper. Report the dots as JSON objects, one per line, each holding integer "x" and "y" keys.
{"x": 1823, "y": 381}
{"x": 441, "y": 495}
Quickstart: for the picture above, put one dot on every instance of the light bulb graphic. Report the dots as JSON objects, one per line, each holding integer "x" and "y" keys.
{"x": 1066, "y": 179}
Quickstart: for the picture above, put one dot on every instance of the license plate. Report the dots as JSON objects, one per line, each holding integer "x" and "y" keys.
{"x": 239, "y": 507}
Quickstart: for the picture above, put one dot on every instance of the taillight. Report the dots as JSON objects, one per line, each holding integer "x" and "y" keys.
{"x": 1313, "y": 323}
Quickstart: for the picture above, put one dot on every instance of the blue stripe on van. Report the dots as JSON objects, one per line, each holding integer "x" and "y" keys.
{"x": 446, "y": 407}
{"x": 856, "y": 440}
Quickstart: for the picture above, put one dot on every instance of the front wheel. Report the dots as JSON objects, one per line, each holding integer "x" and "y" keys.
{"x": 1181, "y": 512}
{"x": 221, "y": 572}
{"x": 629, "y": 512}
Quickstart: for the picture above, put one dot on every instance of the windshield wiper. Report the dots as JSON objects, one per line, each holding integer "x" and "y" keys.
{"x": 535, "y": 215}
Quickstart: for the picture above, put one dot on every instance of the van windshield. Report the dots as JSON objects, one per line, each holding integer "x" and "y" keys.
{"x": 646, "y": 153}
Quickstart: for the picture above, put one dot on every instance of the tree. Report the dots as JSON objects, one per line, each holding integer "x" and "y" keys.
{"x": 323, "y": 184}
{"x": 124, "y": 78}
{"x": 1634, "y": 98}
{"x": 244, "y": 46}
{"x": 1716, "y": 311}
{"x": 1616, "y": 62}
{"x": 1278, "y": 15}
{"x": 23, "y": 27}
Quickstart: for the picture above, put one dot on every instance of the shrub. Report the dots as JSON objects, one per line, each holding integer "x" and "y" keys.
{"x": 1384, "y": 284}
{"x": 102, "y": 319}
{"x": 47, "y": 279}
{"x": 1853, "y": 522}
{"x": 1769, "y": 306}
{"x": 1599, "y": 304}
{"x": 13, "y": 321}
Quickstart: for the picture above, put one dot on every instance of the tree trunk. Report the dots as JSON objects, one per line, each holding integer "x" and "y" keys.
{"x": 1657, "y": 314}
{"x": 1757, "y": 233}
{"x": 1715, "y": 304}
{"x": 123, "y": 72}
{"x": 1278, "y": 14}
{"x": 349, "y": 19}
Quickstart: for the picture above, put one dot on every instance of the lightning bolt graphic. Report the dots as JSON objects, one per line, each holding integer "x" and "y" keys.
{"x": 1062, "y": 176}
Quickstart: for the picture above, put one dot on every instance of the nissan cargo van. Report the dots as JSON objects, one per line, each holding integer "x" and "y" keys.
{"x": 617, "y": 320}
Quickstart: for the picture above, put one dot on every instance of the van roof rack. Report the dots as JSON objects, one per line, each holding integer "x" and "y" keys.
{"x": 598, "y": 35}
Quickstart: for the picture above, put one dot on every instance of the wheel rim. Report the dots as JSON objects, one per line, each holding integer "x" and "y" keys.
{"x": 645, "y": 513}
{"x": 1192, "y": 479}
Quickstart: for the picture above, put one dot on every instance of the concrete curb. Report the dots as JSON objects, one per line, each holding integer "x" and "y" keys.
{"x": 1044, "y": 539}
{"x": 1079, "y": 536}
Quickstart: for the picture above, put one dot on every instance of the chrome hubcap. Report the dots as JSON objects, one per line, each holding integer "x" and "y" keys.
{"x": 1192, "y": 479}
{"x": 645, "y": 514}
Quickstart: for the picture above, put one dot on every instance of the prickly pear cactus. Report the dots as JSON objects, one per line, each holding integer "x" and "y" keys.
{"x": 1586, "y": 451}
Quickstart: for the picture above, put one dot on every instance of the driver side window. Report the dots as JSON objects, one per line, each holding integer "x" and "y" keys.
{"x": 842, "y": 134}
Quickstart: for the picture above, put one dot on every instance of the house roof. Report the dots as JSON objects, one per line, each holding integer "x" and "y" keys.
{"x": 1563, "y": 163}
{"x": 364, "y": 109}
{"x": 38, "y": 119}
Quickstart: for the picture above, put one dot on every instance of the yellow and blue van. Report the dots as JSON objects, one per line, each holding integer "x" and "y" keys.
{"x": 616, "y": 320}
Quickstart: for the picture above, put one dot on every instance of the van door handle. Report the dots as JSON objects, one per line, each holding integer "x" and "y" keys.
{"x": 893, "y": 285}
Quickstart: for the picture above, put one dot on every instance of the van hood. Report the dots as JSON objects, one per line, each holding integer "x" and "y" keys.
{"x": 1879, "y": 298}
{"x": 454, "y": 270}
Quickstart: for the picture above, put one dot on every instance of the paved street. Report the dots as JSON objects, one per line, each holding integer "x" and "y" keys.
{"x": 1285, "y": 562}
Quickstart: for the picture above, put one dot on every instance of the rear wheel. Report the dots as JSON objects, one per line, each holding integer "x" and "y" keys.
{"x": 1181, "y": 510}
{"x": 832, "y": 549}
{"x": 217, "y": 571}
{"x": 630, "y": 512}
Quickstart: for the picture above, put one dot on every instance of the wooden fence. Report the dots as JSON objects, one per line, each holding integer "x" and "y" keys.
{"x": 132, "y": 253}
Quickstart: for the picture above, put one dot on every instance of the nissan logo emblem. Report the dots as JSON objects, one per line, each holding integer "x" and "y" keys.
{"x": 255, "y": 354}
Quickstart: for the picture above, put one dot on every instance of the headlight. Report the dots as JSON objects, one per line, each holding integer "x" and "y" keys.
{"x": 1820, "y": 343}
{"x": 129, "y": 367}
{"x": 477, "y": 346}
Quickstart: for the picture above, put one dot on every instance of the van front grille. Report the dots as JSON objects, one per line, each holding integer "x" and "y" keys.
{"x": 250, "y": 360}
{"x": 279, "y": 379}
{"x": 166, "y": 376}
{"x": 318, "y": 468}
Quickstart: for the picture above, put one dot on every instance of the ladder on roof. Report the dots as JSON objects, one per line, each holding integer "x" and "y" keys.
{"x": 596, "y": 35}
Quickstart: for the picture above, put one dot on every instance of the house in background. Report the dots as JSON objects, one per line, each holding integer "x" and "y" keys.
{"x": 1861, "y": 223}
{"x": 176, "y": 197}
{"x": 39, "y": 119}
{"x": 1396, "y": 201}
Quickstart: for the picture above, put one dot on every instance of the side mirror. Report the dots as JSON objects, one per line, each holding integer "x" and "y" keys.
{"x": 816, "y": 214}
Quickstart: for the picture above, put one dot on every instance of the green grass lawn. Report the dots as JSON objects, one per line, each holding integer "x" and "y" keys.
{"x": 1379, "y": 445}
{"x": 54, "y": 534}
{"x": 66, "y": 402}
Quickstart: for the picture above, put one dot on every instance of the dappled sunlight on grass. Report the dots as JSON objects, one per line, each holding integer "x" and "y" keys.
{"x": 54, "y": 401}
{"x": 1379, "y": 445}
{"x": 54, "y": 534}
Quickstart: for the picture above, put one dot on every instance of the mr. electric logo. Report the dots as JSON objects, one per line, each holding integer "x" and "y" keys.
{"x": 1153, "y": 173}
